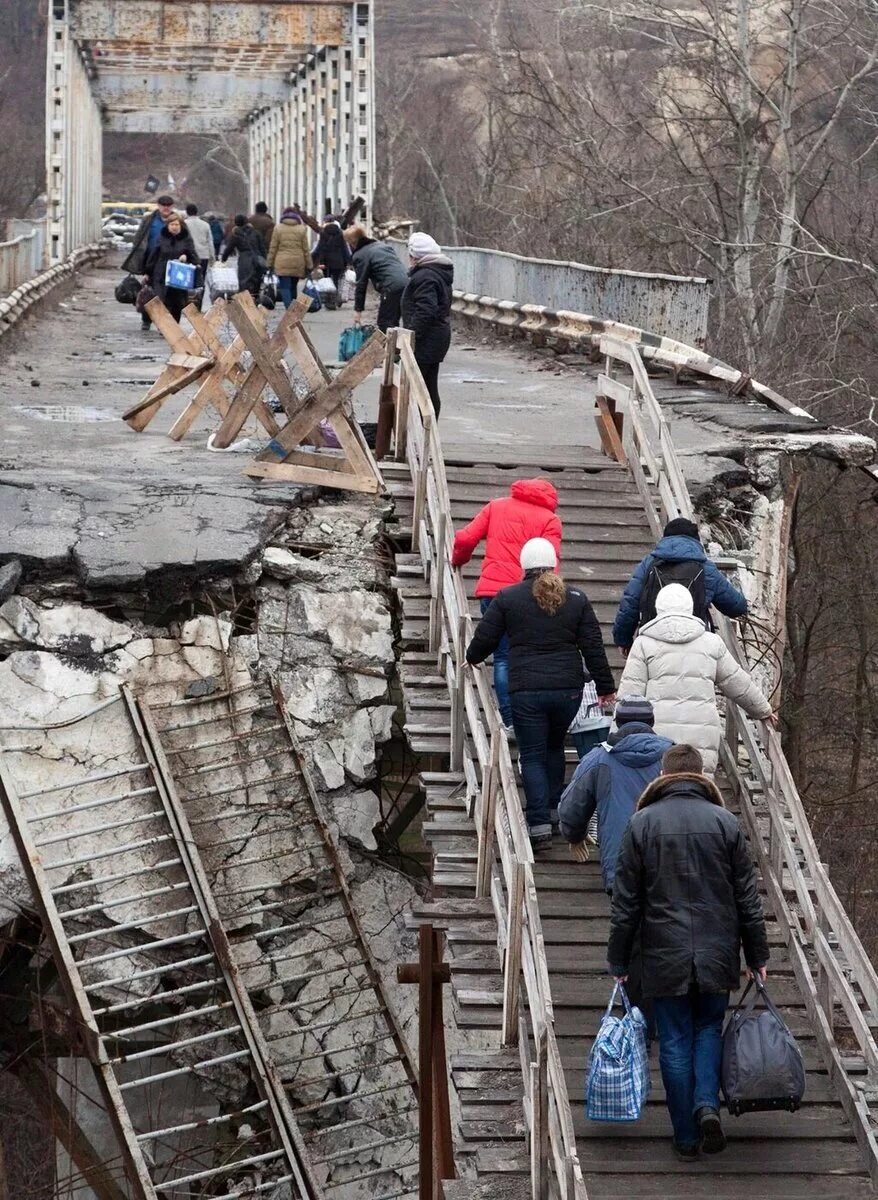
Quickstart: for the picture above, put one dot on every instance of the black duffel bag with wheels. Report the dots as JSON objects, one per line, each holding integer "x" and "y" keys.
{"x": 126, "y": 291}
{"x": 762, "y": 1068}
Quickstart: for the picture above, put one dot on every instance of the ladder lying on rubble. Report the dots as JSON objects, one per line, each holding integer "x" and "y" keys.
{"x": 186, "y": 1003}
{"x": 540, "y": 999}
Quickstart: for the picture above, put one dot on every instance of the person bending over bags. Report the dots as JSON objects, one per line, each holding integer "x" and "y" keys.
{"x": 551, "y": 628}
{"x": 685, "y": 882}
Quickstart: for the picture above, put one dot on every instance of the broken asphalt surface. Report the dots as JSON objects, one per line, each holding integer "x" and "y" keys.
{"x": 81, "y": 494}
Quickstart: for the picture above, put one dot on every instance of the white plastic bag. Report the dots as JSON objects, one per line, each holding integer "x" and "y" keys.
{"x": 222, "y": 280}
{"x": 349, "y": 284}
{"x": 324, "y": 285}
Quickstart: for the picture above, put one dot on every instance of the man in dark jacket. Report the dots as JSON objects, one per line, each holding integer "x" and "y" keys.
{"x": 680, "y": 544}
{"x": 426, "y": 308}
{"x": 610, "y": 780}
{"x": 379, "y": 264}
{"x": 263, "y": 222}
{"x": 146, "y": 242}
{"x": 685, "y": 880}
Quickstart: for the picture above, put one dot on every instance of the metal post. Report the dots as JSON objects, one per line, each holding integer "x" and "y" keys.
{"x": 434, "y": 1111}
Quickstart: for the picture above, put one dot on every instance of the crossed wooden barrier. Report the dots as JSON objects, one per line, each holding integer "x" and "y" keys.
{"x": 235, "y": 391}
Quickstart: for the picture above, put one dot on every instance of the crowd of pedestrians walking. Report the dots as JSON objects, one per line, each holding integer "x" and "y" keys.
{"x": 673, "y": 860}
{"x": 417, "y": 297}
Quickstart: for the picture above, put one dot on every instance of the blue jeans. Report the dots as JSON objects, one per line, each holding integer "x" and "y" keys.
{"x": 288, "y": 286}
{"x": 690, "y": 1030}
{"x": 541, "y": 721}
{"x": 501, "y": 670}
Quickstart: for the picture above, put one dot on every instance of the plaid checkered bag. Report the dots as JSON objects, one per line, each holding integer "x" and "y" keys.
{"x": 617, "y": 1081}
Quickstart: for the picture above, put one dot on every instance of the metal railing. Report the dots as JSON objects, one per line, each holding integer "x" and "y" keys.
{"x": 834, "y": 974}
{"x": 505, "y": 866}
{"x": 21, "y": 257}
{"x": 674, "y": 306}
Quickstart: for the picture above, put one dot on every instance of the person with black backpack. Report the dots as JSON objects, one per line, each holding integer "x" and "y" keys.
{"x": 678, "y": 557}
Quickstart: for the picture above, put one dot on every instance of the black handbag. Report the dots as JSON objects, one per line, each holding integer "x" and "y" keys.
{"x": 126, "y": 292}
{"x": 762, "y": 1067}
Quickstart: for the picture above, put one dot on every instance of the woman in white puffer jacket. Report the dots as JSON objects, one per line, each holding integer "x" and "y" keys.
{"x": 678, "y": 665}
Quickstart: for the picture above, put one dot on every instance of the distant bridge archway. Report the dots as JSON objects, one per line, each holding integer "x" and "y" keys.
{"x": 297, "y": 76}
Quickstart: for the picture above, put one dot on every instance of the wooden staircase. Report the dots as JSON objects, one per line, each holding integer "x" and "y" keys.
{"x": 526, "y": 934}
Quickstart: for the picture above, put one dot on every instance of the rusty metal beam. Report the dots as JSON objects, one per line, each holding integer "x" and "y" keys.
{"x": 221, "y": 22}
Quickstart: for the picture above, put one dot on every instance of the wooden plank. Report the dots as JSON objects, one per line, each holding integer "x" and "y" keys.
{"x": 254, "y": 384}
{"x": 294, "y": 472}
{"x": 325, "y": 401}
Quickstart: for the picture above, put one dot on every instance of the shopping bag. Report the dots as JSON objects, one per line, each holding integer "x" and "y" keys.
{"x": 127, "y": 291}
{"x": 352, "y": 341}
{"x": 222, "y": 280}
{"x": 268, "y": 292}
{"x": 310, "y": 289}
{"x": 762, "y": 1066}
{"x": 180, "y": 275}
{"x": 348, "y": 286}
{"x": 617, "y": 1080}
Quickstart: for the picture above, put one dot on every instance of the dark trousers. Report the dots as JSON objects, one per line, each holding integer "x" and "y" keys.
{"x": 175, "y": 300}
{"x": 390, "y": 310}
{"x": 430, "y": 372}
{"x": 690, "y": 1033}
{"x": 501, "y": 669}
{"x": 541, "y": 720}
{"x": 288, "y": 288}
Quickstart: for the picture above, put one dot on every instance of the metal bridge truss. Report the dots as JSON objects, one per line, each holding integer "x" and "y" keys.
{"x": 297, "y": 76}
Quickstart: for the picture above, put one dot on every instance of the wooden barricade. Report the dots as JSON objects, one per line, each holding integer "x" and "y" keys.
{"x": 298, "y": 450}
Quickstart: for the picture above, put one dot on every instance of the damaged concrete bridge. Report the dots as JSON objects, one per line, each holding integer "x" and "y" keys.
{"x": 223, "y": 693}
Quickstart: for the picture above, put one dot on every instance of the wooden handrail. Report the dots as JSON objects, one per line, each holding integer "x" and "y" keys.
{"x": 505, "y": 863}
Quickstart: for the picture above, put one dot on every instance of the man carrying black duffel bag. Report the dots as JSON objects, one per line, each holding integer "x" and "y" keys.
{"x": 685, "y": 879}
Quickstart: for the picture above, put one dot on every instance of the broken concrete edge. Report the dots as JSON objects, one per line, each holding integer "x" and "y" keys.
{"x": 20, "y": 301}
{"x": 665, "y": 352}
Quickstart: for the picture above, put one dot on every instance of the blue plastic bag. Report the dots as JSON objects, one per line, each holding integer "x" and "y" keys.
{"x": 180, "y": 275}
{"x": 351, "y": 342}
{"x": 310, "y": 290}
{"x": 617, "y": 1081}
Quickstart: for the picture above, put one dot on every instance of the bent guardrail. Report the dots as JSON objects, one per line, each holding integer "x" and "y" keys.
{"x": 673, "y": 306}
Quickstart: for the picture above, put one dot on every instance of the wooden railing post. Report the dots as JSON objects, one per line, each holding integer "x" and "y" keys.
{"x": 387, "y": 399}
{"x": 437, "y": 583}
{"x": 457, "y": 706}
{"x": 539, "y": 1129}
{"x": 401, "y": 422}
{"x": 512, "y": 963}
{"x": 485, "y": 831}
{"x": 825, "y": 993}
{"x": 421, "y": 485}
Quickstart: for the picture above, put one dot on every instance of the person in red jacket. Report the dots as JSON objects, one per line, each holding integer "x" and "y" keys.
{"x": 505, "y": 525}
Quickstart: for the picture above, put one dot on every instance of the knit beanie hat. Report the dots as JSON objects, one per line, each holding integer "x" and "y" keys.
{"x": 421, "y": 244}
{"x": 290, "y": 214}
{"x": 538, "y": 554}
{"x": 682, "y": 528}
{"x": 674, "y": 598}
{"x": 634, "y": 708}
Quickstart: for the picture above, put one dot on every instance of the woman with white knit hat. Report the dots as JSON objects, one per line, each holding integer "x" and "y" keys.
{"x": 551, "y": 628}
{"x": 678, "y": 664}
{"x": 426, "y": 307}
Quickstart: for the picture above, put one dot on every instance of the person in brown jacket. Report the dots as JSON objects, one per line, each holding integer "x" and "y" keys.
{"x": 263, "y": 222}
{"x": 289, "y": 254}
